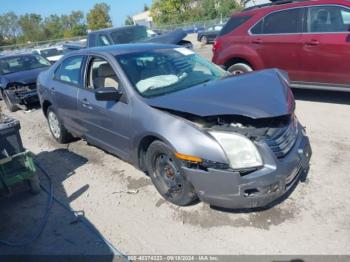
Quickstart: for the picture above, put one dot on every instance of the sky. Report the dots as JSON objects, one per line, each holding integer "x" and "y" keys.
{"x": 119, "y": 8}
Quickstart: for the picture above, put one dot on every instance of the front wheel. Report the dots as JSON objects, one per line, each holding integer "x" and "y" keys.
{"x": 240, "y": 68}
{"x": 10, "y": 106}
{"x": 166, "y": 174}
{"x": 58, "y": 131}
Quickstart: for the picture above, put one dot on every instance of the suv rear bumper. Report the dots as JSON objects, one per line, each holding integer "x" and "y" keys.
{"x": 260, "y": 188}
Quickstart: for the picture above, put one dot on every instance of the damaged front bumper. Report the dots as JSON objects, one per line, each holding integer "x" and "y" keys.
{"x": 229, "y": 189}
{"x": 22, "y": 96}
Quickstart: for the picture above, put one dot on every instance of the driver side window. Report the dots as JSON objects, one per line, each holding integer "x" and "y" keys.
{"x": 101, "y": 75}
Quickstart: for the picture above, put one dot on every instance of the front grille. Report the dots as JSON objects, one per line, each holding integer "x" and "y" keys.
{"x": 284, "y": 139}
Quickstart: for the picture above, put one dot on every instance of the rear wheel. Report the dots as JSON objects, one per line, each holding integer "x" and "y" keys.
{"x": 166, "y": 174}
{"x": 10, "y": 106}
{"x": 58, "y": 131}
{"x": 204, "y": 40}
{"x": 240, "y": 68}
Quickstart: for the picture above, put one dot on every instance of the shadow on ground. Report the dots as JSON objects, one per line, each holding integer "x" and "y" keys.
{"x": 64, "y": 235}
{"x": 322, "y": 96}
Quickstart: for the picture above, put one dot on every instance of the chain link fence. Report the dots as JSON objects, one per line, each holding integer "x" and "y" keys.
{"x": 39, "y": 44}
{"x": 195, "y": 26}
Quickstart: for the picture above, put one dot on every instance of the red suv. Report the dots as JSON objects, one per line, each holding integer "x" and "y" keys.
{"x": 308, "y": 39}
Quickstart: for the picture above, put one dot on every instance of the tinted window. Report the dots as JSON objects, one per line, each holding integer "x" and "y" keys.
{"x": 131, "y": 34}
{"x": 233, "y": 23}
{"x": 328, "y": 19}
{"x": 281, "y": 22}
{"x": 70, "y": 70}
{"x": 103, "y": 40}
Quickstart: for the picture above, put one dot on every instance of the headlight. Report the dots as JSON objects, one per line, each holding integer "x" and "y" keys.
{"x": 241, "y": 152}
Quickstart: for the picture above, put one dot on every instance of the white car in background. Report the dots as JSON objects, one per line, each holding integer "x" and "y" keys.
{"x": 53, "y": 53}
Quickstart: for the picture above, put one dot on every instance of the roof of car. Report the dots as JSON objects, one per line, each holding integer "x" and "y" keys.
{"x": 127, "y": 48}
{"x": 12, "y": 55}
{"x": 285, "y": 4}
{"x": 116, "y": 28}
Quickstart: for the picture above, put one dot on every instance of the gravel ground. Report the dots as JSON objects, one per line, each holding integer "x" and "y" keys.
{"x": 121, "y": 203}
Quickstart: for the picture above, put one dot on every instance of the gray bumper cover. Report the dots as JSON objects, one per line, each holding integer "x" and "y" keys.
{"x": 230, "y": 189}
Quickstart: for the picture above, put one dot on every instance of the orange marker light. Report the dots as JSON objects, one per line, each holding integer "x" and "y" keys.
{"x": 189, "y": 158}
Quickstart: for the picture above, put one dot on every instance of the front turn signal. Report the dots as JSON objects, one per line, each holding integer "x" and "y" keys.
{"x": 193, "y": 159}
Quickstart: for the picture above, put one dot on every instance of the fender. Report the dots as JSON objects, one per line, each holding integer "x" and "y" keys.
{"x": 239, "y": 51}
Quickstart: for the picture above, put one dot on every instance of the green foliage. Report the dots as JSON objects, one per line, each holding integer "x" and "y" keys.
{"x": 181, "y": 11}
{"x": 30, "y": 25}
{"x": 98, "y": 17}
{"x": 129, "y": 21}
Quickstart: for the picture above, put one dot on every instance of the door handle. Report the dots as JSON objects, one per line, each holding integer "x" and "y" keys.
{"x": 257, "y": 41}
{"x": 52, "y": 90}
{"x": 313, "y": 42}
{"x": 85, "y": 103}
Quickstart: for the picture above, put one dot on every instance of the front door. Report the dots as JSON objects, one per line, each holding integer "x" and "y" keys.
{"x": 326, "y": 45}
{"x": 106, "y": 123}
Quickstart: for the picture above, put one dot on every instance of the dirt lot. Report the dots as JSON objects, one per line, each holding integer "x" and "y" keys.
{"x": 121, "y": 203}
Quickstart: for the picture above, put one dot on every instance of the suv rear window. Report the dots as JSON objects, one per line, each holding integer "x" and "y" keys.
{"x": 233, "y": 23}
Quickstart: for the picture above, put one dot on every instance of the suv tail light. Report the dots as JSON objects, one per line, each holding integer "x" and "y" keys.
{"x": 217, "y": 44}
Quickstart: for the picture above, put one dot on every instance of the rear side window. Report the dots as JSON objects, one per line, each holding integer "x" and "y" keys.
{"x": 233, "y": 23}
{"x": 281, "y": 22}
{"x": 328, "y": 19}
{"x": 70, "y": 70}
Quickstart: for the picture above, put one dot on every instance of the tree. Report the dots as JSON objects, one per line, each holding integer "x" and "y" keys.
{"x": 53, "y": 27}
{"x": 98, "y": 17}
{"x": 226, "y": 7}
{"x": 31, "y": 27}
{"x": 171, "y": 11}
{"x": 145, "y": 7}
{"x": 9, "y": 27}
{"x": 129, "y": 20}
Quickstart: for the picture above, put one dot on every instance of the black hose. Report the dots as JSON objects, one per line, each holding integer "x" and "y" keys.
{"x": 43, "y": 223}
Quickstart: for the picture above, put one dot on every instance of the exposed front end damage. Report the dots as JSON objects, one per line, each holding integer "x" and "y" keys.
{"x": 21, "y": 95}
{"x": 283, "y": 146}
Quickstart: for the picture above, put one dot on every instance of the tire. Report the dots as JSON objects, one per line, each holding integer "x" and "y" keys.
{"x": 34, "y": 184}
{"x": 240, "y": 68}
{"x": 57, "y": 129}
{"x": 166, "y": 174}
{"x": 10, "y": 106}
{"x": 204, "y": 40}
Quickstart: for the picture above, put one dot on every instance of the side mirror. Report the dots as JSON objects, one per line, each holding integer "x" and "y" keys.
{"x": 108, "y": 94}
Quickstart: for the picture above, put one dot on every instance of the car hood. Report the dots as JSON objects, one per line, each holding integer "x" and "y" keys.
{"x": 173, "y": 37}
{"x": 25, "y": 77}
{"x": 261, "y": 94}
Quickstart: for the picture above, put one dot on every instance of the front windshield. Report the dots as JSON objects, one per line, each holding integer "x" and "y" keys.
{"x": 162, "y": 71}
{"x": 16, "y": 64}
{"x": 131, "y": 34}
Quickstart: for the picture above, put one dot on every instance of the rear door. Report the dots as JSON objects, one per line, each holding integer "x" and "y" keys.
{"x": 64, "y": 90}
{"x": 277, "y": 40}
{"x": 106, "y": 123}
{"x": 326, "y": 45}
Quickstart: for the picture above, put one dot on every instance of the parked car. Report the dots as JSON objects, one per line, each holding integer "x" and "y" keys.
{"x": 197, "y": 131}
{"x": 18, "y": 74}
{"x": 52, "y": 54}
{"x": 133, "y": 34}
{"x": 208, "y": 36}
{"x": 308, "y": 39}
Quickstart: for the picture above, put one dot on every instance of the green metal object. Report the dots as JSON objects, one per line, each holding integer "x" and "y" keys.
{"x": 18, "y": 169}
